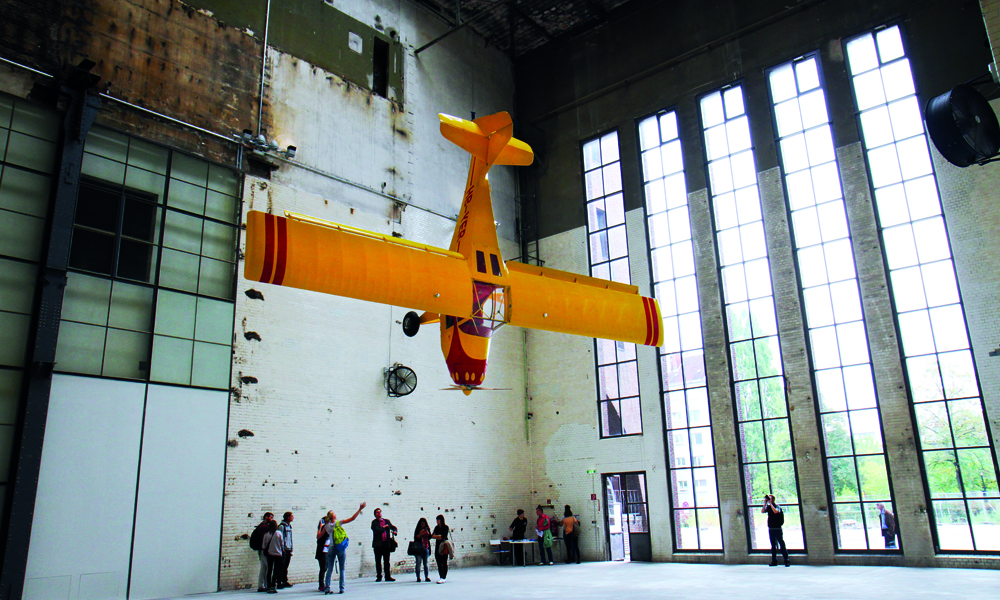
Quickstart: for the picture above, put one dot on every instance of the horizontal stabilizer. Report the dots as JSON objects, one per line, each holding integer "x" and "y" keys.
{"x": 474, "y": 138}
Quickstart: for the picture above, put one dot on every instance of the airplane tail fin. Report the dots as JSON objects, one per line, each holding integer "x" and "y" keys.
{"x": 489, "y": 138}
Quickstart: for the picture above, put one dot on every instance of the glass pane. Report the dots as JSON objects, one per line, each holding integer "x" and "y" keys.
{"x": 783, "y": 484}
{"x": 182, "y": 232}
{"x": 187, "y": 197}
{"x": 985, "y": 516}
{"x": 748, "y": 400}
{"x": 710, "y": 529}
{"x": 866, "y": 431}
{"x": 25, "y": 192}
{"x": 978, "y": 476}
{"x": 126, "y": 354}
{"x": 131, "y": 307}
{"x": 952, "y": 522}
{"x": 932, "y": 421}
{"x": 843, "y": 479}
{"x": 86, "y": 299}
{"x": 145, "y": 181}
{"x": 80, "y": 348}
{"x": 772, "y": 392}
{"x": 17, "y": 286}
{"x": 31, "y": 152}
{"x": 179, "y": 270}
{"x": 967, "y": 423}
{"x": 942, "y": 474}
{"x": 850, "y": 527}
{"x": 830, "y": 385}
{"x": 959, "y": 375}
{"x": 837, "y": 435}
{"x": 175, "y": 314}
{"x": 752, "y": 443}
{"x": 219, "y": 241}
{"x": 15, "y": 328}
{"x": 874, "y": 481}
{"x": 171, "y": 360}
{"x": 21, "y": 235}
{"x": 779, "y": 441}
{"x": 211, "y": 365}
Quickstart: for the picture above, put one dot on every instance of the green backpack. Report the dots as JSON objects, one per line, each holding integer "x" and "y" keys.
{"x": 340, "y": 539}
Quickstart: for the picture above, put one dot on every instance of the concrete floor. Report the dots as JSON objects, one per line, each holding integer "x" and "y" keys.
{"x": 640, "y": 581}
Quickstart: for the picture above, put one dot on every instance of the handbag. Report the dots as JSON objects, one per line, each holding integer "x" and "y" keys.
{"x": 415, "y": 548}
{"x": 392, "y": 544}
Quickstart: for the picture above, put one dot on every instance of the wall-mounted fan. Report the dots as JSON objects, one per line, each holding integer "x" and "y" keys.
{"x": 963, "y": 126}
{"x": 400, "y": 380}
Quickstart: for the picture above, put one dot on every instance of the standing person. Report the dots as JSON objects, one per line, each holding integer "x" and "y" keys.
{"x": 281, "y": 571}
{"x": 443, "y": 549}
{"x": 422, "y": 535}
{"x": 382, "y": 531}
{"x": 517, "y": 528}
{"x": 571, "y": 535}
{"x": 260, "y": 532}
{"x": 338, "y": 545}
{"x": 543, "y": 526}
{"x": 322, "y": 547}
{"x": 888, "y": 522}
{"x": 274, "y": 546}
{"x": 775, "y": 519}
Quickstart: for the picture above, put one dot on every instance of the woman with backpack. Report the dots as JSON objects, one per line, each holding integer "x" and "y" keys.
{"x": 338, "y": 544}
{"x": 422, "y": 535}
{"x": 274, "y": 546}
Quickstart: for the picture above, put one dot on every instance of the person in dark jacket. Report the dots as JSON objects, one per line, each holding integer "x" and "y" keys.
{"x": 422, "y": 535}
{"x": 517, "y": 529}
{"x": 262, "y": 554}
{"x": 382, "y": 532}
{"x": 281, "y": 569}
{"x": 888, "y": 522}
{"x": 775, "y": 519}
{"x": 441, "y": 555}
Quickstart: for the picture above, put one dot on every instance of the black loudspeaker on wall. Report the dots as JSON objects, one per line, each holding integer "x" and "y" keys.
{"x": 963, "y": 126}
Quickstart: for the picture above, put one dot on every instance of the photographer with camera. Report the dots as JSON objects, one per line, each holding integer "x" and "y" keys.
{"x": 775, "y": 519}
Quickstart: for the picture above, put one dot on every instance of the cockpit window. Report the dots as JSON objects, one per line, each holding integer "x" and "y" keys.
{"x": 489, "y": 304}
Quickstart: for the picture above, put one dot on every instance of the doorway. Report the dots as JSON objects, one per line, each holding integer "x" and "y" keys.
{"x": 626, "y": 517}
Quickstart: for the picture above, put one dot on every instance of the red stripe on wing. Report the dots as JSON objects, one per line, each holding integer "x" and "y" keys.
{"x": 279, "y": 270}
{"x": 265, "y": 274}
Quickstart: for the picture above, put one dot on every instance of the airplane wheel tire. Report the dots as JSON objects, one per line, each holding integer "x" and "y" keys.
{"x": 411, "y": 324}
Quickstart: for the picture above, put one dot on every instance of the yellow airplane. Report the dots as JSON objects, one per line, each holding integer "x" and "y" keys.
{"x": 468, "y": 288}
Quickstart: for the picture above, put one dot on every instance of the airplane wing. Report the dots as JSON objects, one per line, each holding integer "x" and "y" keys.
{"x": 565, "y": 302}
{"x": 312, "y": 254}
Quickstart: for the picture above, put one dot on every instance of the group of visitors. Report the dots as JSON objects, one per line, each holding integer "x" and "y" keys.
{"x": 273, "y": 542}
{"x": 543, "y": 532}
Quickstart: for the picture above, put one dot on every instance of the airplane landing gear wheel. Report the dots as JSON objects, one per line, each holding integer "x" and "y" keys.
{"x": 411, "y": 324}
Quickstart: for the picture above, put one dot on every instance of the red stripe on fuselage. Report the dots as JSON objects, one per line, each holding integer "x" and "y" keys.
{"x": 279, "y": 270}
{"x": 265, "y": 274}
